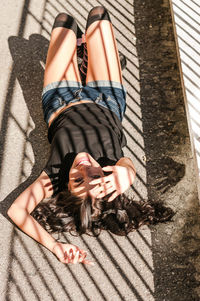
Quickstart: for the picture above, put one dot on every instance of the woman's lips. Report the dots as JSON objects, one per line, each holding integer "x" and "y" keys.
{"x": 83, "y": 161}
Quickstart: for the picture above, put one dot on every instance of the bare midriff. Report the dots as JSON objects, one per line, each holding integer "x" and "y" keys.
{"x": 54, "y": 115}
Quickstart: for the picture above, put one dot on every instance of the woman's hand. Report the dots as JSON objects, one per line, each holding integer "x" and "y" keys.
{"x": 117, "y": 182}
{"x": 67, "y": 253}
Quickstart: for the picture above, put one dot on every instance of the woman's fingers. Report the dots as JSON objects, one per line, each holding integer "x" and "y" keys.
{"x": 88, "y": 262}
{"x": 97, "y": 189}
{"x": 97, "y": 181}
{"x": 68, "y": 253}
{"x": 66, "y": 258}
{"x": 83, "y": 260}
{"x": 102, "y": 188}
{"x": 113, "y": 196}
{"x": 76, "y": 257}
{"x": 82, "y": 256}
{"x": 101, "y": 180}
{"x": 108, "y": 168}
{"x": 71, "y": 255}
{"x": 106, "y": 191}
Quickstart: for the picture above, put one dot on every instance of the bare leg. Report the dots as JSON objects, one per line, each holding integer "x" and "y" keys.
{"x": 61, "y": 63}
{"x": 103, "y": 57}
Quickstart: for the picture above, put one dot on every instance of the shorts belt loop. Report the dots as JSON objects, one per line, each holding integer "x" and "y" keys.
{"x": 77, "y": 93}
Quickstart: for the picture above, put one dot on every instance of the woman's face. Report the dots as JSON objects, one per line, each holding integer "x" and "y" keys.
{"x": 84, "y": 169}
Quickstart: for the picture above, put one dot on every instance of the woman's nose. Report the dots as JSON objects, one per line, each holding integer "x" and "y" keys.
{"x": 84, "y": 169}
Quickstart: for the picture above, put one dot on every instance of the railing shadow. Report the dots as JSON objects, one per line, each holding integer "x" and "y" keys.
{"x": 27, "y": 68}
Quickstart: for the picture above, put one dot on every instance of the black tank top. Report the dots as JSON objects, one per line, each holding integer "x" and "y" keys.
{"x": 87, "y": 128}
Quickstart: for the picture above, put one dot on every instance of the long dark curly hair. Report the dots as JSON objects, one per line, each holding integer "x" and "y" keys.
{"x": 68, "y": 213}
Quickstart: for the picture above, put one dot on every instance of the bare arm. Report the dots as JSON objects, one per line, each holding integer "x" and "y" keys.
{"x": 20, "y": 210}
{"x": 127, "y": 162}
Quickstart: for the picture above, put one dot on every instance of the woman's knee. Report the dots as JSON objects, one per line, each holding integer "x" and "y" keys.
{"x": 97, "y": 13}
{"x": 98, "y": 10}
{"x": 66, "y": 21}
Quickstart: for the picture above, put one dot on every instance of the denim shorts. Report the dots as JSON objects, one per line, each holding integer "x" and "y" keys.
{"x": 109, "y": 94}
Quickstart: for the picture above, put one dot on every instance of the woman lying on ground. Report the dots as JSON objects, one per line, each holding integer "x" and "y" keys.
{"x": 84, "y": 180}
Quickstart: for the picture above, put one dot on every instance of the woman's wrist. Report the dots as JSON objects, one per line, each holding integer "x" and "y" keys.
{"x": 53, "y": 246}
{"x": 131, "y": 173}
{"x": 127, "y": 162}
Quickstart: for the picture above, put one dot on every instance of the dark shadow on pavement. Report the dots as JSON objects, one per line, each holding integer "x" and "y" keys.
{"x": 167, "y": 145}
{"x": 28, "y": 57}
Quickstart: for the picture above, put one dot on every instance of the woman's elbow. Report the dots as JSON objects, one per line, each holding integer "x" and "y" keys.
{"x": 10, "y": 211}
{"x": 13, "y": 211}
